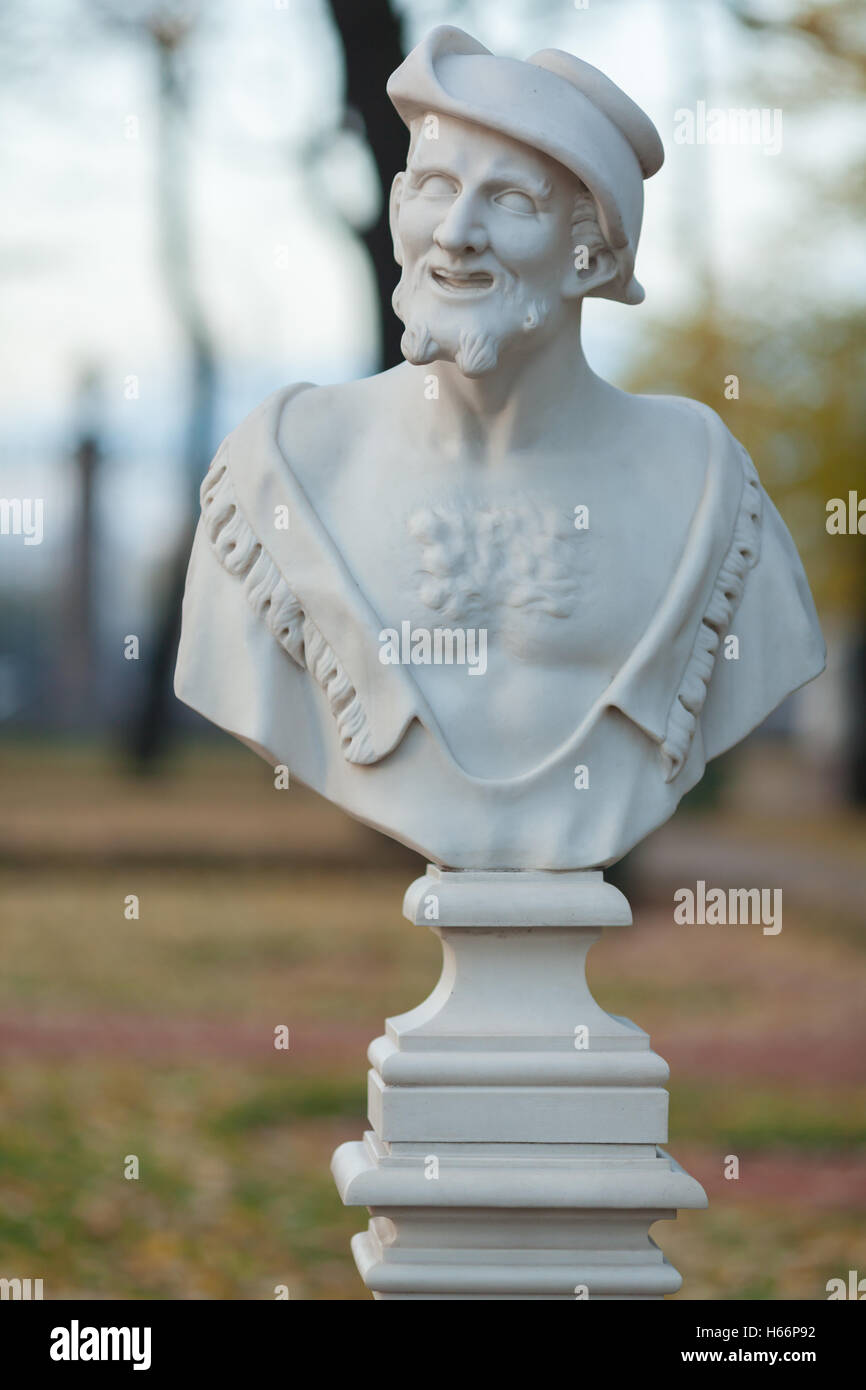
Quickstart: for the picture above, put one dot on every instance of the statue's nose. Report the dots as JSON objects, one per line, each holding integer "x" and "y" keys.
{"x": 462, "y": 230}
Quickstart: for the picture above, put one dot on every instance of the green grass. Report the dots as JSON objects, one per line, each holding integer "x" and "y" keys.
{"x": 234, "y": 1194}
{"x": 233, "y": 1138}
{"x": 745, "y": 1118}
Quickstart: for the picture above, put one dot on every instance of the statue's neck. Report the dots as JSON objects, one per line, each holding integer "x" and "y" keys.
{"x": 532, "y": 395}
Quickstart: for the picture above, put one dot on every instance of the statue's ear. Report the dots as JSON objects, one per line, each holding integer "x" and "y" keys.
{"x": 589, "y": 272}
{"x": 394, "y": 213}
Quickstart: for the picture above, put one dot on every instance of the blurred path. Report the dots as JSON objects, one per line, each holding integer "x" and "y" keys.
{"x": 694, "y": 1053}
{"x": 805, "y": 862}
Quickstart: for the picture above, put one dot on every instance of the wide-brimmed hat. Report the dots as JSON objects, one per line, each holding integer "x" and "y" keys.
{"x": 555, "y": 103}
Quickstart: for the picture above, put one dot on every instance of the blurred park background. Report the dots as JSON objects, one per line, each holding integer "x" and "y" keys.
{"x": 194, "y": 217}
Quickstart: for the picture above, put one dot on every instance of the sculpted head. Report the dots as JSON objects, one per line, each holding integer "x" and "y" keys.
{"x": 486, "y": 230}
{"x": 522, "y": 194}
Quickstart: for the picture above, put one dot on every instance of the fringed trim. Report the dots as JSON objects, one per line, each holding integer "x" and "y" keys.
{"x": 242, "y": 554}
{"x": 727, "y": 592}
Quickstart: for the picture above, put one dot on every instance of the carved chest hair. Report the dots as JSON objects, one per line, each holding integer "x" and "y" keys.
{"x": 493, "y": 559}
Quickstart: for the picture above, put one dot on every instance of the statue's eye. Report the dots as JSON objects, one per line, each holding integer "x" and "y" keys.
{"x": 515, "y": 201}
{"x": 438, "y": 186}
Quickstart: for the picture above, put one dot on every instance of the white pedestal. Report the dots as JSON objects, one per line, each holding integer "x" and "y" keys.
{"x": 516, "y": 1125}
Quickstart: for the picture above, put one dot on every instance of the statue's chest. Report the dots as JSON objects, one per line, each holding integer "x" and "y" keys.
{"x": 542, "y": 587}
{"x": 509, "y": 562}
{"x": 552, "y": 579}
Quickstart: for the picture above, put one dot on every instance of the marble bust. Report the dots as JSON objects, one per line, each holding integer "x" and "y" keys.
{"x": 481, "y": 600}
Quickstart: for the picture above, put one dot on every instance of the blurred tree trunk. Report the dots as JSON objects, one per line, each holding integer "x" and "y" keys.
{"x": 78, "y": 686}
{"x": 370, "y": 35}
{"x": 855, "y": 704}
{"x": 154, "y": 717}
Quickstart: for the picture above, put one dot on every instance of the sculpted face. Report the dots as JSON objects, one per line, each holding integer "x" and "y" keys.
{"x": 483, "y": 230}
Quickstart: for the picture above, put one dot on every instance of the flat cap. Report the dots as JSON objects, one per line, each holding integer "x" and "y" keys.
{"x": 555, "y": 103}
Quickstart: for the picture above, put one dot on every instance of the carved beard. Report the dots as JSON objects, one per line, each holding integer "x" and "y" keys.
{"x": 438, "y": 336}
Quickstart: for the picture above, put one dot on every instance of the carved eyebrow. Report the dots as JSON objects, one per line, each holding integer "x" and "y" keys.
{"x": 417, "y": 156}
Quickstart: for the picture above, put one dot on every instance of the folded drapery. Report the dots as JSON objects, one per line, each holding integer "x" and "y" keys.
{"x": 285, "y": 655}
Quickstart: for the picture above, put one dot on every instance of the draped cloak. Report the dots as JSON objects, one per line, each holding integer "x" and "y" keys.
{"x": 280, "y": 647}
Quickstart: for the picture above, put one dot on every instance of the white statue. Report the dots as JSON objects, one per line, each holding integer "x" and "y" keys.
{"x": 486, "y": 602}
{"x": 479, "y": 600}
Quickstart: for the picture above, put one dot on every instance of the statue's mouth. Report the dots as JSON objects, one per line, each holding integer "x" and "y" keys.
{"x": 462, "y": 282}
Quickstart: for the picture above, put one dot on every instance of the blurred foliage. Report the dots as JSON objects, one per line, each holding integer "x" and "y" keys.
{"x": 801, "y": 414}
{"x": 799, "y": 351}
{"x": 834, "y": 27}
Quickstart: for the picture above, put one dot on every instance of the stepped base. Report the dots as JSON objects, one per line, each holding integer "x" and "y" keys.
{"x": 515, "y": 1151}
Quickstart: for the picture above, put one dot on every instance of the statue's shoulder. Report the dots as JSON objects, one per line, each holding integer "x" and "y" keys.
{"x": 688, "y": 427}
{"x": 319, "y": 427}
{"x": 687, "y": 447}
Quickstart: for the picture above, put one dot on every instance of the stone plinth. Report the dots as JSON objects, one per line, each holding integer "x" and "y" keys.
{"x": 515, "y": 1149}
